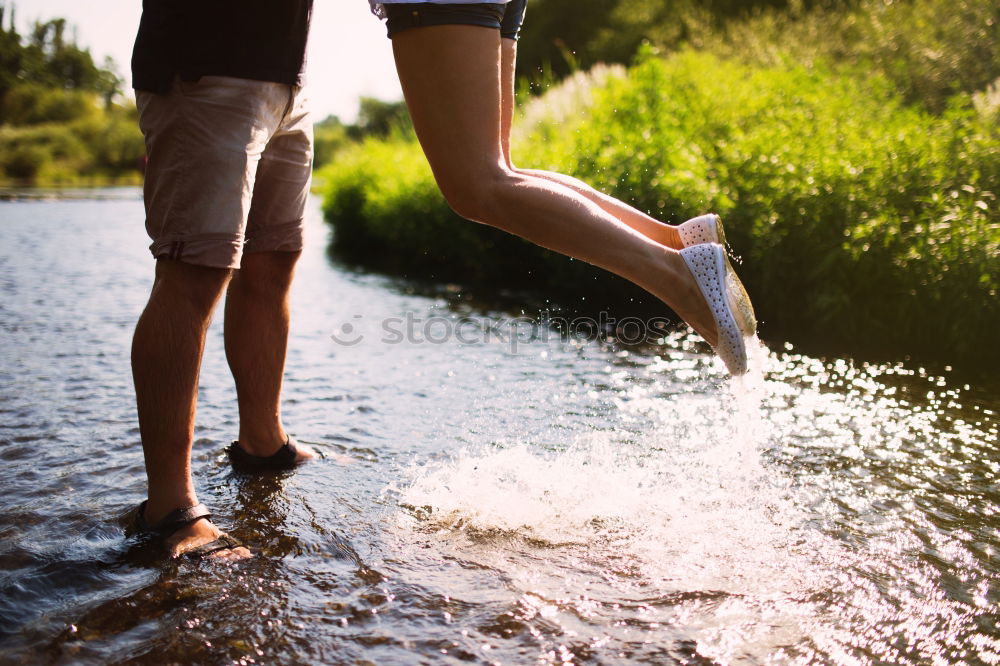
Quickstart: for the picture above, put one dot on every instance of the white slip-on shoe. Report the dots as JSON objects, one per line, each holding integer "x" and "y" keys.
{"x": 708, "y": 229}
{"x": 702, "y": 229}
{"x": 727, "y": 299}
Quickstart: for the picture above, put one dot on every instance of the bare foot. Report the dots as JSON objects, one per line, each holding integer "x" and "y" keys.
{"x": 303, "y": 452}
{"x": 199, "y": 533}
{"x": 191, "y": 535}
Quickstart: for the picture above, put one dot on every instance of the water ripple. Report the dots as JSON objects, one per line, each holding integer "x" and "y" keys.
{"x": 573, "y": 502}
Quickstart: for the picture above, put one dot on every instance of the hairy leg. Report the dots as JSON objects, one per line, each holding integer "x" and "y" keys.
{"x": 256, "y": 334}
{"x": 451, "y": 79}
{"x": 166, "y": 359}
{"x": 664, "y": 234}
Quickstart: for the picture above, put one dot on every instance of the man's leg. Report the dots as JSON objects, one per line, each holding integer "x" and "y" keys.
{"x": 166, "y": 358}
{"x": 256, "y": 334}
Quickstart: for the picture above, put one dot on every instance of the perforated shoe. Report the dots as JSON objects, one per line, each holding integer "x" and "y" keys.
{"x": 702, "y": 229}
{"x": 708, "y": 229}
{"x": 727, "y": 299}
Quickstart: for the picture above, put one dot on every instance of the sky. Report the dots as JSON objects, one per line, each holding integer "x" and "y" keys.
{"x": 349, "y": 55}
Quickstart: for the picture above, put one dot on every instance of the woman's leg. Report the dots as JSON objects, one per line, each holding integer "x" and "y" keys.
{"x": 664, "y": 234}
{"x": 451, "y": 79}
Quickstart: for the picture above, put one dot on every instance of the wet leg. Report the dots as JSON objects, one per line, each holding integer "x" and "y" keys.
{"x": 166, "y": 358}
{"x": 256, "y": 333}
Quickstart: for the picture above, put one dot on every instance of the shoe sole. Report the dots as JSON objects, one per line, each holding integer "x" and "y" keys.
{"x": 736, "y": 293}
{"x": 739, "y": 301}
{"x": 720, "y": 232}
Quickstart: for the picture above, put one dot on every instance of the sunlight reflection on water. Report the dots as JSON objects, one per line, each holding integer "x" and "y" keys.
{"x": 714, "y": 544}
{"x": 571, "y": 503}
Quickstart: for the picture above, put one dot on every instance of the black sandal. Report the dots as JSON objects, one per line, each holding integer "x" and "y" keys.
{"x": 284, "y": 459}
{"x": 177, "y": 519}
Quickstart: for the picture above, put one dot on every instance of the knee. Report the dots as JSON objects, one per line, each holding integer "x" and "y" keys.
{"x": 265, "y": 272}
{"x": 479, "y": 197}
{"x": 188, "y": 286}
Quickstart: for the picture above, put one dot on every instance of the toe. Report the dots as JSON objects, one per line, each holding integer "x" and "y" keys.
{"x": 232, "y": 554}
{"x": 199, "y": 533}
{"x": 304, "y": 453}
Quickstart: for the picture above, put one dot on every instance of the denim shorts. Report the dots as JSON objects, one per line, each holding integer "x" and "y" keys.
{"x": 505, "y": 18}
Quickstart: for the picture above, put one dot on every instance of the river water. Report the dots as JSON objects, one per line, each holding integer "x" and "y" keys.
{"x": 485, "y": 496}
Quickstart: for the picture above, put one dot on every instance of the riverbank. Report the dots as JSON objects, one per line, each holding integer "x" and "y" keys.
{"x": 865, "y": 226}
{"x": 28, "y": 188}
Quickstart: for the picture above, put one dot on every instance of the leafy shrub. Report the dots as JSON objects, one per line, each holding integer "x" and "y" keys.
{"x": 612, "y": 30}
{"x": 928, "y": 49}
{"x": 36, "y": 152}
{"x": 865, "y": 225}
{"x": 388, "y": 213}
{"x": 113, "y": 142}
{"x": 108, "y": 145}
{"x": 25, "y": 162}
{"x": 59, "y": 120}
{"x": 329, "y": 136}
{"x": 32, "y": 104}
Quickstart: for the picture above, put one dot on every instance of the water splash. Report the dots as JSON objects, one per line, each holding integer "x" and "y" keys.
{"x": 687, "y": 501}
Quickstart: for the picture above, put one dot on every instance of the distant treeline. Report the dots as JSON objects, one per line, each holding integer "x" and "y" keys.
{"x": 563, "y": 35}
{"x": 62, "y": 117}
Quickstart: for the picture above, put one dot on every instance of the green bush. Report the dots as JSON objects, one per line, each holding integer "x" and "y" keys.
{"x": 611, "y": 31}
{"x": 31, "y": 104}
{"x": 330, "y": 136}
{"x": 61, "y": 118}
{"x": 113, "y": 142}
{"x": 928, "y": 49}
{"x": 33, "y": 153}
{"x": 865, "y": 225}
{"x": 25, "y": 162}
{"x": 108, "y": 145}
{"x": 381, "y": 198}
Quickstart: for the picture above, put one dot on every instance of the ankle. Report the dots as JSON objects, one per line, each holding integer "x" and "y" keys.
{"x": 160, "y": 504}
{"x": 671, "y": 238}
{"x": 263, "y": 444}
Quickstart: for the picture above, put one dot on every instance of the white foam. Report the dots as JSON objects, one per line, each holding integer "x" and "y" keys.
{"x": 687, "y": 501}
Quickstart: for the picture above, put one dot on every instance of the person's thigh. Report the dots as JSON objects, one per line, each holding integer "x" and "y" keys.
{"x": 450, "y": 76}
{"x": 281, "y": 190}
{"x": 203, "y": 142}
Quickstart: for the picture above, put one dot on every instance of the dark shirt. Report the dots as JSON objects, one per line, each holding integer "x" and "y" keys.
{"x": 263, "y": 40}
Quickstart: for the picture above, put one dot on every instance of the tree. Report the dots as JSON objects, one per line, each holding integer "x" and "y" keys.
{"x": 45, "y": 64}
{"x": 560, "y": 35}
{"x": 378, "y": 118}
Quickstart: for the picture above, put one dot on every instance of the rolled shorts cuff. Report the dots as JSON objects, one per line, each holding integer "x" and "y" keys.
{"x": 210, "y": 250}
{"x": 284, "y": 237}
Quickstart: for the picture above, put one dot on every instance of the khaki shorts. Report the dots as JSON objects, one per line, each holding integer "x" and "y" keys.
{"x": 228, "y": 171}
